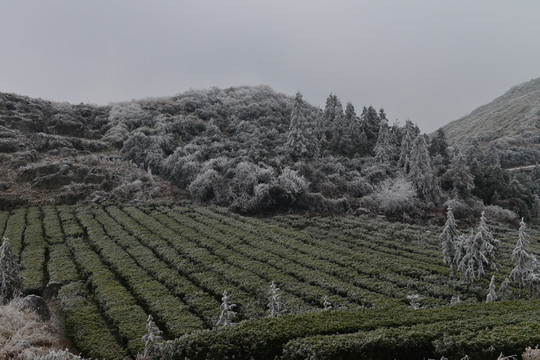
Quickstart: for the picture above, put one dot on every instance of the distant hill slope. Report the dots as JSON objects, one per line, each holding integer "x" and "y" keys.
{"x": 516, "y": 111}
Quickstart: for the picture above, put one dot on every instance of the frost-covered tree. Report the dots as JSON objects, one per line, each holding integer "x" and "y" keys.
{"x": 449, "y": 239}
{"x": 275, "y": 307}
{"x": 478, "y": 252}
{"x": 152, "y": 340}
{"x": 341, "y": 137}
{"x": 421, "y": 174}
{"x": 384, "y": 149}
{"x": 409, "y": 136}
{"x": 439, "y": 146}
{"x": 301, "y": 139}
{"x": 525, "y": 260}
{"x": 459, "y": 175}
{"x": 488, "y": 242}
{"x": 492, "y": 295}
{"x": 471, "y": 265}
{"x": 370, "y": 120}
{"x": 227, "y": 313}
{"x": 357, "y": 136}
{"x": 11, "y": 282}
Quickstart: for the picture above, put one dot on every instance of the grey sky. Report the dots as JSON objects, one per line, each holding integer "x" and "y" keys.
{"x": 427, "y": 60}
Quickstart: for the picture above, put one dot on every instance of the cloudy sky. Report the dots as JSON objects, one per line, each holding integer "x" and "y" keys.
{"x": 427, "y": 60}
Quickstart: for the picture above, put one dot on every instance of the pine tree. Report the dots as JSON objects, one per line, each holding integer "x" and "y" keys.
{"x": 421, "y": 174}
{"x": 300, "y": 138}
{"x": 459, "y": 174}
{"x": 470, "y": 265}
{"x": 227, "y": 314}
{"x": 409, "y": 135}
{"x": 439, "y": 146}
{"x": 370, "y": 120}
{"x": 449, "y": 239}
{"x": 152, "y": 340}
{"x": 275, "y": 307}
{"x": 11, "y": 282}
{"x": 341, "y": 138}
{"x": 384, "y": 148}
{"x": 489, "y": 243}
{"x": 525, "y": 261}
{"x": 492, "y": 295}
{"x": 478, "y": 252}
{"x": 353, "y": 125}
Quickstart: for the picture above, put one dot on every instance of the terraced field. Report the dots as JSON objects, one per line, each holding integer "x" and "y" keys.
{"x": 121, "y": 263}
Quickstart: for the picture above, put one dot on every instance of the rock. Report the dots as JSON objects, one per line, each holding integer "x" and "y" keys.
{"x": 51, "y": 290}
{"x": 37, "y": 304}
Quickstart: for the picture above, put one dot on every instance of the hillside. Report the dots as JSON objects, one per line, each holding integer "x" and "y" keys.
{"x": 515, "y": 112}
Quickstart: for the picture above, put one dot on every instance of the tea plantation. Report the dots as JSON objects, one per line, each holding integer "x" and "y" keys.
{"x": 119, "y": 264}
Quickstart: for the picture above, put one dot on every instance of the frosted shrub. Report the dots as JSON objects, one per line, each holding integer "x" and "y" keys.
{"x": 414, "y": 301}
{"x": 394, "y": 195}
{"x": 131, "y": 114}
{"x": 291, "y": 182}
{"x": 116, "y": 135}
{"x": 207, "y": 186}
{"x": 500, "y": 215}
{"x": 327, "y": 305}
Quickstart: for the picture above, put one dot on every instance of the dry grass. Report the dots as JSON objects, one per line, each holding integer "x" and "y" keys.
{"x": 531, "y": 354}
{"x": 24, "y": 336}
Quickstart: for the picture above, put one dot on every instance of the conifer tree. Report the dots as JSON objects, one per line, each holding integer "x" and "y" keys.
{"x": 492, "y": 295}
{"x": 341, "y": 137}
{"x": 459, "y": 174}
{"x": 370, "y": 120}
{"x": 300, "y": 138}
{"x": 275, "y": 307}
{"x": 354, "y": 127}
{"x": 488, "y": 242}
{"x": 525, "y": 261}
{"x": 449, "y": 239}
{"x": 152, "y": 340}
{"x": 11, "y": 282}
{"x": 471, "y": 266}
{"x": 439, "y": 146}
{"x": 421, "y": 174}
{"x": 227, "y": 314}
{"x": 384, "y": 148}
{"x": 406, "y": 146}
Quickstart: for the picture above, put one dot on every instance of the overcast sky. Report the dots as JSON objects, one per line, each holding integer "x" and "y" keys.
{"x": 426, "y": 60}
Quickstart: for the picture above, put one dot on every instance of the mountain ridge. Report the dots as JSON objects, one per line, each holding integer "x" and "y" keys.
{"x": 512, "y": 113}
